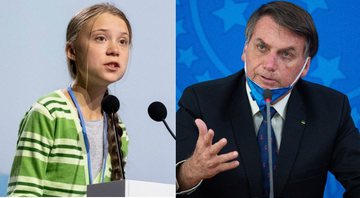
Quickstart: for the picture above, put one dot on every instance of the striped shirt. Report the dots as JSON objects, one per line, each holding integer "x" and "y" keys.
{"x": 51, "y": 157}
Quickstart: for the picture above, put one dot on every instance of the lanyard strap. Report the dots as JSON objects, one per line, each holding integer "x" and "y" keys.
{"x": 86, "y": 140}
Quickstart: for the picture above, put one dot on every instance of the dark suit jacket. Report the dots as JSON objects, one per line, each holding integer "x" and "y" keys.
{"x": 327, "y": 141}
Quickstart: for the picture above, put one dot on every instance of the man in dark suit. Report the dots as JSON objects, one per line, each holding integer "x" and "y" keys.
{"x": 219, "y": 123}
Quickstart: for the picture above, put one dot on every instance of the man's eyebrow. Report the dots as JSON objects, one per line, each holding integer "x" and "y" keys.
{"x": 290, "y": 48}
{"x": 259, "y": 40}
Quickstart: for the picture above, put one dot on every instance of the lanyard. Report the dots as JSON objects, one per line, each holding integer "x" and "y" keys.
{"x": 86, "y": 140}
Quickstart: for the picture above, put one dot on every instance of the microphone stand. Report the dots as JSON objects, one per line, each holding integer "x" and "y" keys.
{"x": 168, "y": 128}
{"x": 268, "y": 122}
{"x": 118, "y": 148}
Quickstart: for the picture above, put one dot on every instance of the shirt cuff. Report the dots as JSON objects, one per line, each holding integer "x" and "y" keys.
{"x": 189, "y": 191}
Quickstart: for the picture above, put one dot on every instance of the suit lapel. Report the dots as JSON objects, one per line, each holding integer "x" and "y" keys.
{"x": 291, "y": 137}
{"x": 245, "y": 138}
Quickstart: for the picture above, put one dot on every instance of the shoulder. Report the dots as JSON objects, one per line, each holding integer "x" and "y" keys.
{"x": 218, "y": 83}
{"x": 321, "y": 98}
{"x": 317, "y": 91}
{"x": 56, "y": 97}
{"x": 52, "y": 105}
{"x": 216, "y": 88}
{"x": 40, "y": 119}
{"x": 215, "y": 97}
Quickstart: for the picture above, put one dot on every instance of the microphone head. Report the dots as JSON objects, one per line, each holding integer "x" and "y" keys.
{"x": 157, "y": 111}
{"x": 110, "y": 104}
{"x": 267, "y": 94}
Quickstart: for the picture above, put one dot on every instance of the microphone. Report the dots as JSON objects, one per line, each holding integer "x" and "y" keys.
{"x": 110, "y": 104}
{"x": 267, "y": 97}
{"x": 157, "y": 112}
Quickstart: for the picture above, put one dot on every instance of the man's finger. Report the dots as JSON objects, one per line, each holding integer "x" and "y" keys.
{"x": 202, "y": 141}
{"x": 223, "y": 158}
{"x": 228, "y": 166}
{"x": 208, "y": 138}
{"x": 201, "y": 127}
{"x": 220, "y": 168}
{"x": 215, "y": 148}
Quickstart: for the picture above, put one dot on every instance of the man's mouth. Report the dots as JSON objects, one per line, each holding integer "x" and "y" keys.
{"x": 267, "y": 81}
{"x": 266, "y": 78}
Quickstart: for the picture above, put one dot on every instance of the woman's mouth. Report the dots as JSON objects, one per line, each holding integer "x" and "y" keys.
{"x": 112, "y": 65}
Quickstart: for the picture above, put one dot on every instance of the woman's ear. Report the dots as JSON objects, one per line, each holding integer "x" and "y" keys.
{"x": 70, "y": 51}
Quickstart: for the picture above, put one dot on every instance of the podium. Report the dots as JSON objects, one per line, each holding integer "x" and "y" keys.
{"x": 127, "y": 188}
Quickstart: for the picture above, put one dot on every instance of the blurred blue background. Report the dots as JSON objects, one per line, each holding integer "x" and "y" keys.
{"x": 210, "y": 39}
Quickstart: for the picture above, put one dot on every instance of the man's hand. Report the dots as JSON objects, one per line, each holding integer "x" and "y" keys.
{"x": 205, "y": 161}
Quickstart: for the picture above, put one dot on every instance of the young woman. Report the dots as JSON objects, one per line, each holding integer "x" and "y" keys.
{"x": 65, "y": 140}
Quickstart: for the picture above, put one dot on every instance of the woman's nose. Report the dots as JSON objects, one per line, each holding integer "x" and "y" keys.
{"x": 113, "y": 49}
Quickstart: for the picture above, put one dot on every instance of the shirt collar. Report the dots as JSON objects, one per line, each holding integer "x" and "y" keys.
{"x": 280, "y": 106}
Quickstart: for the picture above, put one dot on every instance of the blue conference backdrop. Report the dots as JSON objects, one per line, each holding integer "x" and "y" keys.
{"x": 210, "y": 39}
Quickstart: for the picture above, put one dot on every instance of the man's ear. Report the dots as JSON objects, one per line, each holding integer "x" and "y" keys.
{"x": 70, "y": 51}
{"x": 244, "y": 52}
{"x": 307, "y": 67}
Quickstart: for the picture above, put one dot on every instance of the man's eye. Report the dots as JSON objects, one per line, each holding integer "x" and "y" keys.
{"x": 261, "y": 47}
{"x": 287, "y": 55}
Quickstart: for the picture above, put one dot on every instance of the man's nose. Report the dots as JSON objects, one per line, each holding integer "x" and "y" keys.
{"x": 270, "y": 62}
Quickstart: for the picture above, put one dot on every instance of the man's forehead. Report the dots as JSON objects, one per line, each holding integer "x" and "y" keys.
{"x": 267, "y": 31}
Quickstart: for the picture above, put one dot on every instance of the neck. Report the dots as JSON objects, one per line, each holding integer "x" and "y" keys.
{"x": 89, "y": 100}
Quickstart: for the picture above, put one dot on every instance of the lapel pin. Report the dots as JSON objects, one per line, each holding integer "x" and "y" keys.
{"x": 303, "y": 122}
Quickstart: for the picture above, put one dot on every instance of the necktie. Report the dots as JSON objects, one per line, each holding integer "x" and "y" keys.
{"x": 263, "y": 145}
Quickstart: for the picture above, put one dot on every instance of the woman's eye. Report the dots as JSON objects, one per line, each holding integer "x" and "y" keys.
{"x": 123, "y": 42}
{"x": 100, "y": 38}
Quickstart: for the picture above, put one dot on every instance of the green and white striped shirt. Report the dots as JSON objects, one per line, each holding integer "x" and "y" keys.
{"x": 51, "y": 157}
